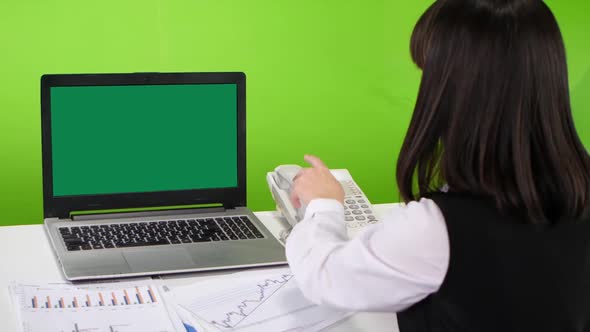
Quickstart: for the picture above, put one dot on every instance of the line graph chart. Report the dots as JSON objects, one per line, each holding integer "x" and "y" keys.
{"x": 245, "y": 307}
{"x": 254, "y": 302}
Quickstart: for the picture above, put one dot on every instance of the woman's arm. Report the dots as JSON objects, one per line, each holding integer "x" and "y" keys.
{"x": 387, "y": 267}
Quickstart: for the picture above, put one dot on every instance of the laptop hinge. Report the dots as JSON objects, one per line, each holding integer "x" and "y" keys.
{"x": 142, "y": 214}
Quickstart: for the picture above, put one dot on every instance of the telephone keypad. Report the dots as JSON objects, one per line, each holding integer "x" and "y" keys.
{"x": 357, "y": 209}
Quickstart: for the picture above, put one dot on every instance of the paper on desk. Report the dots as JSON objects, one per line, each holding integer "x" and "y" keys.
{"x": 109, "y": 307}
{"x": 251, "y": 302}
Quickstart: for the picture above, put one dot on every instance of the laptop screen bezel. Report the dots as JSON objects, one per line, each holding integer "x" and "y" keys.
{"x": 62, "y": 206}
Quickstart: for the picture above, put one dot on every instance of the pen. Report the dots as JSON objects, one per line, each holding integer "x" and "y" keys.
{"x": 189, "y": 328}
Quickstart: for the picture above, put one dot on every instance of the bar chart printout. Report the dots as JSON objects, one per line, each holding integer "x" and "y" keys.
{"x": 117, "y": 307}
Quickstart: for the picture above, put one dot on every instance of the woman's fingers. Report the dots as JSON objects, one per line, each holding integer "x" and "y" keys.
{"x": 314, "y": 161}
{"x": 295, "y": 199}
{"x": 315, "y": 182}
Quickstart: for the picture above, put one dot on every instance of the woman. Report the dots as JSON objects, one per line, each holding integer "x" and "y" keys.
{"x": 507, "y": 247}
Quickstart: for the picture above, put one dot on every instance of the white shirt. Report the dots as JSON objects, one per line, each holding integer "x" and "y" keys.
{"x": 387, "y": 267}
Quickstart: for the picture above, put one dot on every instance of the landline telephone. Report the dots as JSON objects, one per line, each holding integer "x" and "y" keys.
{"x": 358, "y": 211}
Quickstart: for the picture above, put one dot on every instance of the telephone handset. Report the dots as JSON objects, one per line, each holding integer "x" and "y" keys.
{"x": 358, "y": 211}
{"x": 280, "y": 183}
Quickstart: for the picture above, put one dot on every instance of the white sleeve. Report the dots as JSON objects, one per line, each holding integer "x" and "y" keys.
{"x": 387, "y": 267}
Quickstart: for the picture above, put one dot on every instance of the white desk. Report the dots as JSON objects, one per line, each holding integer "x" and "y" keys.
{"x": 27, "y": 256}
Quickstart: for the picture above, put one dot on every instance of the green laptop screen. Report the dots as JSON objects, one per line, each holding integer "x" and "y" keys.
{"x": 143, "y": 138}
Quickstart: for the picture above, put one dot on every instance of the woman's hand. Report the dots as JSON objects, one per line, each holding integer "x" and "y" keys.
{"x": 315, "y": 182}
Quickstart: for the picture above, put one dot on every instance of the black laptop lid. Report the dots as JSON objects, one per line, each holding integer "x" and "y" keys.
{"x": 113, "y": 141}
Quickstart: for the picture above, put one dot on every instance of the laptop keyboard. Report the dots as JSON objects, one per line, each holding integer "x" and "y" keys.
{"x": 152, "y": 233}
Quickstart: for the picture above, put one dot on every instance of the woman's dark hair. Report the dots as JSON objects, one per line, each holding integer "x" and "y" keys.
{"x": 493, "y": 114}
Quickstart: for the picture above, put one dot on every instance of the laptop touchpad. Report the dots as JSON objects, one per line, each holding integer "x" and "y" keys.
{"x": 158, "y": 260}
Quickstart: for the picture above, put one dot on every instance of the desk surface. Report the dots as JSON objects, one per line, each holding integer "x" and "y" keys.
{"x": 28, "y": 256}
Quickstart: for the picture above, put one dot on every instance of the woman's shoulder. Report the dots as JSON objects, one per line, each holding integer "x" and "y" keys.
{"x": 421, "y": 216}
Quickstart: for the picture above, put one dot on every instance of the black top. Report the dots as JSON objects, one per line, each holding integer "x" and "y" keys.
{"x": 505, "y": 275}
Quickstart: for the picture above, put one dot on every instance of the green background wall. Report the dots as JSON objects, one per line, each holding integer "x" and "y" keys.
{"x": 328, "y": 77}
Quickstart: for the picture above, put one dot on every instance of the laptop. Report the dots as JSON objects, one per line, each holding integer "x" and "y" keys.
{"x": 145, "y": 174}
